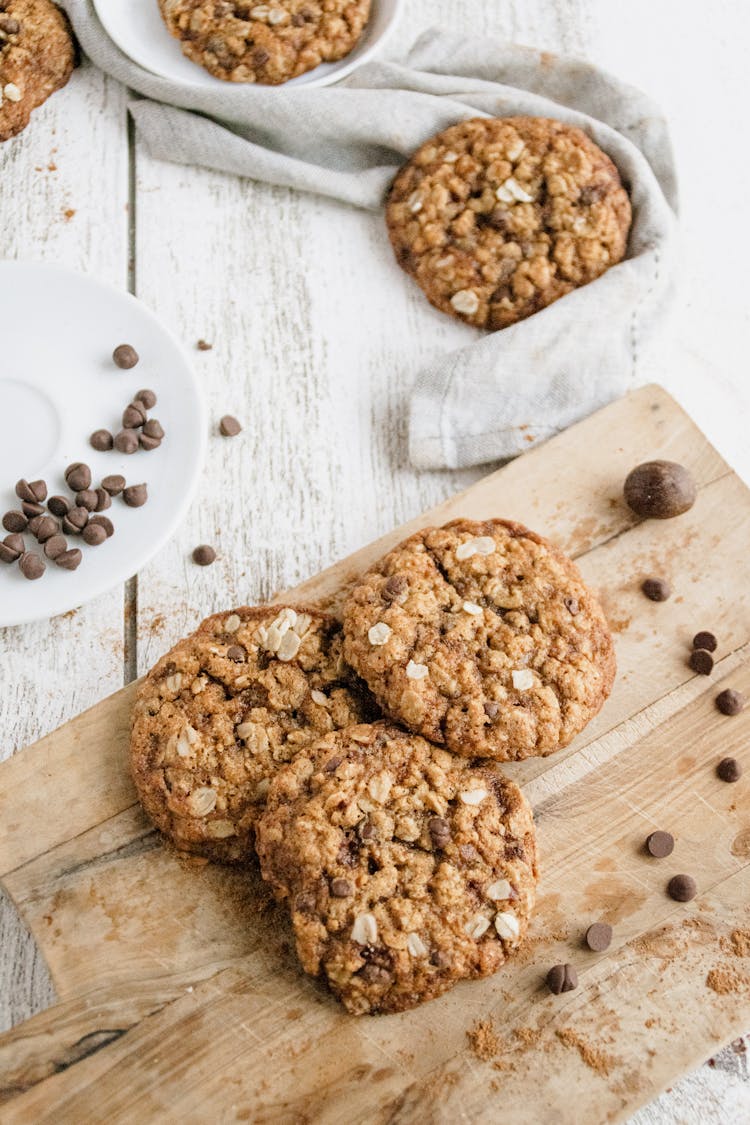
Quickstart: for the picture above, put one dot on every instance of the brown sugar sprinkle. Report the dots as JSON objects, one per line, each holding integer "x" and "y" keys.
{"x": 483, "y": 1040}
{"x": 725, "y": 979}
{"x": 594, "y": 1057}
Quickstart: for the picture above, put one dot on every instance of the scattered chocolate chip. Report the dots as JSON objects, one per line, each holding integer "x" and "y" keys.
{"x": 32, "y": 509}
{"x": 440, "y": 831}
{"x": 125, "y": 356}
{"x": 599, "y": 936}
{"x": 562, "y": 978}
{"x": 204, "y": 555}
{"x": 394, "y": 588}
{"x": 87, "y": 499}
{"x": 94, "y": 534}
{"x": 147, "y": 397}
{"x": 34, "y": 524}
{"x": 69, "y": 560}
{"x": 572, "y": 606}
{"x": 75, "y": 521}
{"x": 660, "y": 490}
{"x": 105, "y": 522}
{"x": 15, "y": 521}
{"x": 705, "y": 641}
{"x": 682, "y": 888}
{"x": 103, "y": 500}
{"x": 78, "y": 476}
{"x": 55, "y": 546}
{"x": 729, "y": 769}
{"x": 126, "y": 441}
{"x": 229, "y": 426}
{"x": 135, "y": 495}
{"x": 46, "y": 528}
{"x": 31, "y": 566}
{"x": 730, "y": 702}
{"x": 701, "y": 662}
{"x": 656, "y": 589}
{"x": 59, "y": 505}
{"x": 35, "y": 492}
{"x": 113, "y": 484}
{"x": 134, "y": 416}
{"x": 153, "y": 429}
{"x": 101, "y": 440}
{"x": 149, "y": 443}
{"x": 660, "y": 844}
{"x": 11, "y": 548}
{"x": 237, "y": 654}
{"x": 203, "y": 346}
{"x": 342, "y": 888}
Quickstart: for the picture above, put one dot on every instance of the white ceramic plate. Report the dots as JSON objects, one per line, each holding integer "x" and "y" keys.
{"x": 57, "y": 385}
{"x": 138, "y": 30}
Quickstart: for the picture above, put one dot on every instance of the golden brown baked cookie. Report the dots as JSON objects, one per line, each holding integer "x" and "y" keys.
{"x": 495, "y": 218}
{"x": 406, "y": 869}
{"x": 37, "y": 56}
{"x": 481, "y": 637}
{"x": 219, "y": 714}
{"x": 268, "y": 43}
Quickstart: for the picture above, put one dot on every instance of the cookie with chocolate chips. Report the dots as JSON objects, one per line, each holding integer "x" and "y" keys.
{"x": 37, "y": 56}
{"x": 496, "y": 218}
{"x": 265, "y": 42}
{"x": 225, "y": 709}
{"x": 406, "y": 870}
{"x": 483, "y": 638}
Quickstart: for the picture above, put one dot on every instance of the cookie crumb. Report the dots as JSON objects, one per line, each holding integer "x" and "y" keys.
{"x": 483, "y": 1040}
{"x": 594, "y": 1057}
{"x": 725, "y": 979}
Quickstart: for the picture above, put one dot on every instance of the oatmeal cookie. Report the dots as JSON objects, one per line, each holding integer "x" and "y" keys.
{"x": 406, "y": 869}
{"x": 221, "y": 712}
{"x": 268, "y": 43}
{"x": 498, "y": 217}
{"x": 481, "y": 637}
{"x": 37, "y": 56}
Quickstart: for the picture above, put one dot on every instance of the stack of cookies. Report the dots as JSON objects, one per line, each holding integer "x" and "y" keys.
{"x": 358, "y": 759}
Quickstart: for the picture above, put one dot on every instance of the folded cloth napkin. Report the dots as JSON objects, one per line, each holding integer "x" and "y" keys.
{"x": 481, "y": 402}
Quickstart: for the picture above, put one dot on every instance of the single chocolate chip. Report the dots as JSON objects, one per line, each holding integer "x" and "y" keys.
{"x": 237, "y": 654}
{"x": 75, "y": 521}
{"x": 147, "y": 397}
{"x": 377, "y": 975}
{"x": 15, "y": 521}
{"x": 203, "y": 346}
{"x": 46, "y": 528}
{"x": 103, "y": 500}
{"x": 701, "y": 661}
{"x": 660, "y": 490}
{"x": 34, "y": 524}
{"x": 562, "y": 978}
{"x": 204, "y": 555}
{"x": 11, "y": 548}
{"x": 126, "y": 441}
{"x": 342, "y": 888}
{"x": 101, "y": 440}
{"x": 367, "y": 830}
{"x": 105, "y": 522}
{"x": 656, "y": 589}
{"x": 572, "y": 606}
{"x": 55, "y": 546}
{"x": 440, "y": 831}
{"x": 32, "y": 509}
{"x": 149, "y": 443}
{"x": 59, "y": 505}
{"x": 599, "y": 936}
{"x": 113, "y": 484}
{"x": 78, "y": 476}
{"x": 229, "y": 426}
{"x": 705, "y": 641}
{"x": 134, "y": 416}
{"x": 87, "y": 499}
{"x": 152, "y": 428}
{"x": 491, "y": 709}
{"x": 35, "y": 492}
{"x": 730, "y": 702}
{"x": 94, "y": 534}
{"x": 682, "y": 888}
{"x": 125, "y": 356}
{"x": 135, "y": 495}
{"x": 31, "y": 566}
{"x": 660, "y": 844}
{"x": 69, "y": 560}
{"x": 394, "y": 588}
{"x": 729, "y": 769}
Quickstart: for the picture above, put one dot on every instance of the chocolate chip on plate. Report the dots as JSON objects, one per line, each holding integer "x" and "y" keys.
{"x": 682, "y": 888}
{"x": 34, "y": 524}
{"x": 599, "y": 936}
{"x": 87, "y": 499}
{"x": 730, "y": 702}
{"x": 204, "y": 555}
{"x": 134, "y": 415}
{"x": 69, "y": 560}
{"x": 101, "y": 440}
{"x": 229, "y": 426}
{"x": 75, "y": 521}
{"x": 59, "y": 505}
{"x": 729, "y": 769}
{"x": 135, "y": 495}
{"x": 46, "y": 528}
{"x": 562, "y": 978}
{"x": 701, "y": 661}
{"x": 55, "y": 546}
{"x": 103, "y": 500}
{"x": 203, "y": 346}
{"x": 31, "y": 566}
{"x": 153, "y": 429}
{"x": 705, "y": 640}
{"x": 113, "y": 484}
{"x": 15, "y": 521}
{"x": 147, "y": 397}
{"x": 126, "y": 441}
{"x": 656, "y": 589}
{"x": 93, "y": 534}
{"x": 36, "y": 491}
{"x": 660, "y": 844}
{"x": 660, "y": 490}
{"x": 103, "y": 521}
{"x": 11, "y": 548}
{"x": 125, "y": 356}
{"x": 30, "y": 509}
{"x": 78, "y": 476}
{"x": 148, "y": 443}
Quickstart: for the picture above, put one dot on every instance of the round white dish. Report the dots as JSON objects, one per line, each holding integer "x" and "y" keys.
{"x": 138, "y": 30}
{"x": 58, "y": 384}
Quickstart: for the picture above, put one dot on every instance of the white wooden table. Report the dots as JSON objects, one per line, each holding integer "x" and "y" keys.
{"x": 316, "y": 337}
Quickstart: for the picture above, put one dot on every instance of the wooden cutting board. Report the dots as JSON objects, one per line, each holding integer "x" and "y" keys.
{"x": 179, "y": 996}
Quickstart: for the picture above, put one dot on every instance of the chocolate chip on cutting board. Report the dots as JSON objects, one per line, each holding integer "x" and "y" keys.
{"x": 660, "y": 490}
{"x": 660, "y": 844}
{"x": 204, "y": 555}
{"x": 599, "y": 936}
{"x": 562, "y": 978}
{"x": 101, "y": 440}
{"x": 730, "y": 702}
{"x": 656, "y": 589}
{"x": 682, "y": 888}
{"x": 125, "y": 356}
{"x": 701, "y": 661}
{"x": 706, "y": 641}
{"x": 729, "y": 769}
{"x": 135, "y": 495}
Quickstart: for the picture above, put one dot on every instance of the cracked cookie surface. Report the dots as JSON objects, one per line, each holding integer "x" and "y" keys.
{"x": 482, "y": 637}
{"x": 406, "y": 869}
{"x": 37, "y": 56}
{"x": 267, "y": 43}
{"x": 219, "y": 714}
{"x": 496, "y": 218}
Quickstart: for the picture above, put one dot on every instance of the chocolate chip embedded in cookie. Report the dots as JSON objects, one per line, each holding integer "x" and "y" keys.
{"x": 406, "y": 869}
{"x": 482, "y": 637}
{"x": 221, "y": 712}
{"x": 495, "y": 218}
{"x": 268, "y": 43}
{"x": 37, "y": 56}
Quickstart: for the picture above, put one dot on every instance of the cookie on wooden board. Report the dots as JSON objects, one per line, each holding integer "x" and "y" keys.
{"x": 219, "y": 714}
{"x": 406, "y": 869}
{"x": 265, "y": 42}
{"x": 495, "y": 218}
{"x": 483, "y": 638}
{"x": 37, "y": 56}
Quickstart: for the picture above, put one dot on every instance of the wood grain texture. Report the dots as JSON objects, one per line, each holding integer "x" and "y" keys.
{"x": 181, "y": 998}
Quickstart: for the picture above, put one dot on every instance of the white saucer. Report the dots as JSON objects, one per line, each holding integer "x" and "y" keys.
{"x": 58, "y": 384}
{"x": 138, "y": 30}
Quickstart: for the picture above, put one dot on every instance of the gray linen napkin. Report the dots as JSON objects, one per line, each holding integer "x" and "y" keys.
{"x": 481, "y": 402}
